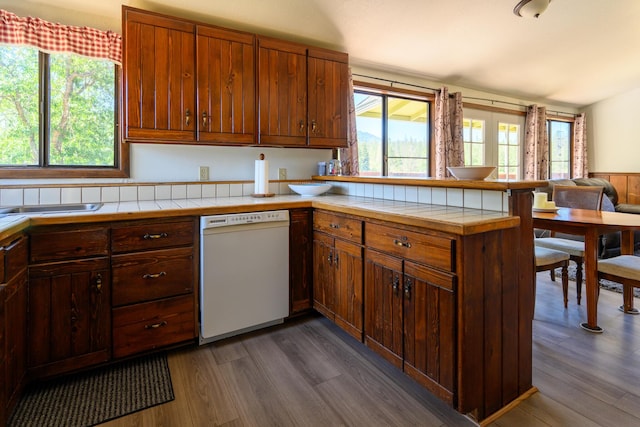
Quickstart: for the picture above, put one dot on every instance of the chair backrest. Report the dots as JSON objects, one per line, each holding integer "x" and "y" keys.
{"x": 588, "y": 197}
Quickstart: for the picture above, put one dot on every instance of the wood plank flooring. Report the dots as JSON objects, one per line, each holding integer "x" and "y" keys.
{"x": 309, "y": 373}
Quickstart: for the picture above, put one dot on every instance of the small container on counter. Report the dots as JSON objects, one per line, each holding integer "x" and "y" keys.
{"x": 322, "y": 168}
{"x": 333, "y": 167}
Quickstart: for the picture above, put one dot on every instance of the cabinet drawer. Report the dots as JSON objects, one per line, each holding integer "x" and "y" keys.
{"x": 152, "y": 235}
{"x": 430, "y": 250}
{"x": 150, "y": 325}
{"x": 338, "y": 226}
{"x": 66, "y": 244}
{"x": 151, "y": 275}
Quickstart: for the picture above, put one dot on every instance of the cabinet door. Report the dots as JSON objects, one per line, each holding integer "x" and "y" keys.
{"x": 328, "y": 91}
{"x": 282, "y": 93}
{"x": 69, "y": 315}
{"x": 383, "y": 305}
{"x": 300, "y": 260}
{"x": 15, "y": 338}
{"x": 348, "y": 307}
{"x": 323, "y": 275}
{"x": 226, "y": 86}
{"x": 159, "y": 78}
{"x": 429, "y": 328}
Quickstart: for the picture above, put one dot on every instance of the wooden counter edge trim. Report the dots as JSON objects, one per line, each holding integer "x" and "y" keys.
{"x": 493, "y": 417}
{"x": 20, "y": 223}
{"x": 496, "y": 185}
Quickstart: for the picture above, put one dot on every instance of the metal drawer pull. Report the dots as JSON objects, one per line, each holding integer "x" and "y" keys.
{"x": 336, "y": 226}
{"x": 99, "y": 282}
{"x": 156, "y": 325}
{"x": 154, "y": 236}
{"x": 154, "y": 275}
{"x": 401, "y": 243}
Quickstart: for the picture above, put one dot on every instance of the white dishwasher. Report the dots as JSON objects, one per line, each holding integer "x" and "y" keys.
{"x": 244, "y": 272}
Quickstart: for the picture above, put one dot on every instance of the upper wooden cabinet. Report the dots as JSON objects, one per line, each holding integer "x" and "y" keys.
{"x": 327, "y": 81}
{"x": 185, "y": 82}
{"x": 282, "y": 99}
{"x": 302, "y": 95}
{"x": 226, "y": 86}
{"x": 159, "y": 78}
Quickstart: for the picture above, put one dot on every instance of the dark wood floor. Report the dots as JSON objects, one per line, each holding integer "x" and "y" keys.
{"x": 309, "y": 373}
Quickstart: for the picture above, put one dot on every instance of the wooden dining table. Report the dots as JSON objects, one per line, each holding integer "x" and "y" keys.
{"x": 591, "y": 224}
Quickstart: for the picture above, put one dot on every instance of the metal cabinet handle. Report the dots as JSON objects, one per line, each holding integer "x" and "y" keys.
{"x": 330, "y": 258}
{"x": 154, "y": 236}
{"x": 407, "y": 288}
{"x": 396, "y": 284}
{"x": 204, "y": 119}
{"x": 335, "y": 260}
{"x": 334, "y": 226}
{"x": 314, "y": 126}
{"x": 187, "y": 117}
{"x": 154, "y": 275}
{"x": 156, "y": 325}
{"x": 99, "y": 282}
{"x": 402, "y": 243}
{"x": 301, "y": 124}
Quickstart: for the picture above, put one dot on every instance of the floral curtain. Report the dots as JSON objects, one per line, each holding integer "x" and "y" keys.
{"x": 50, "y": 37}
{"x": 449, "y": 146}
{"x": 349, "y": 155}
{"x": 536, "y": 142}
{"x": 580, "y": 147}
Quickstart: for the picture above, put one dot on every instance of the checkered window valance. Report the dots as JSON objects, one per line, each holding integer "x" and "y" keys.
{"x": 50, "y": 37}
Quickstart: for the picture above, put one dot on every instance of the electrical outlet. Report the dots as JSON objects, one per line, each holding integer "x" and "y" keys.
{"x": 204, "y": 173}
{"x": 282, "y": 173}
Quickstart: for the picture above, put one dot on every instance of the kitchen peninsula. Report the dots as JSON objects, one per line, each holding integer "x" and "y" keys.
{"x": 476, "y": 265}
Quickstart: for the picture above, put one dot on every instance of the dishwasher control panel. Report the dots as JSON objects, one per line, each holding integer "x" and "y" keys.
{"x": 243, "y": 218}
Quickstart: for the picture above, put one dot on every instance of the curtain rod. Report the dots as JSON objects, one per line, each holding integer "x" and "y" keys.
{"x": 392, "y": 82}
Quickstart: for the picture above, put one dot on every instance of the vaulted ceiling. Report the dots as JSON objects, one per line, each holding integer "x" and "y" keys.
{"x": 578, "y": 52}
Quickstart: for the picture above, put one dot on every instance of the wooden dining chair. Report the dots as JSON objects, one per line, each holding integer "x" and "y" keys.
{"x": 576, "y": 197}
{"x": 623, "y": 269}
{"x": 550, "y": 259}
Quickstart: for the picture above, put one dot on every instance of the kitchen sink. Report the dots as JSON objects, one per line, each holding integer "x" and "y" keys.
{"x": 75, "y": 207}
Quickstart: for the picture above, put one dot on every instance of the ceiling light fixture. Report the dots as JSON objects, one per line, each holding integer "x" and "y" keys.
{"x": 530, "y": 8}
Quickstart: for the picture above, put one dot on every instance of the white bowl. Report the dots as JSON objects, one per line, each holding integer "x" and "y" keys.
{"x": 311, "y": 189}
{"x": 471, "y": 172}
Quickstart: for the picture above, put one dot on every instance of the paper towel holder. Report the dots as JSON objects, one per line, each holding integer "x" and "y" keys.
{"x": 257, "y": 195}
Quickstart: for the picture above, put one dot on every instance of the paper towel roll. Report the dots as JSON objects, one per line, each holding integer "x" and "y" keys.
{"x": 261, "y": 184}
{"x": 540, "y": 200}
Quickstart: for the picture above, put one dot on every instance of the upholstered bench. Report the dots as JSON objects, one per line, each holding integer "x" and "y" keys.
{"x": 550, "y": 259}
{"x": 624, "y": 269}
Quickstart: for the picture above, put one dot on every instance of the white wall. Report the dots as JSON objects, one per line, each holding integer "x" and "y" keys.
{"x": 612, "y": 134}
{"x": 171, "y": 163}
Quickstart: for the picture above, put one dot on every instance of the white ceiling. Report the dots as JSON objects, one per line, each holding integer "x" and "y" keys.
{"x": 578, "y": 52}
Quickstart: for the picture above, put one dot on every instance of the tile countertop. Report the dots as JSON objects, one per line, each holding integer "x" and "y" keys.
{"x": 455, "y": 220}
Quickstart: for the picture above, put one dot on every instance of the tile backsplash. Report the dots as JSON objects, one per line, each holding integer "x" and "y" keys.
{"x": 28, "y": 195}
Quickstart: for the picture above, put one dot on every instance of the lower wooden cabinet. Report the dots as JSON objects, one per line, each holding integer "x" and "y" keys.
{"x": 300, "y": 260}
{"x": 410, "y": 318}
{"x": 154, "y": 276}
{"x": 337, "y": 275}
{"x": 69, "y": 315}
{"x": 13, "y": 322}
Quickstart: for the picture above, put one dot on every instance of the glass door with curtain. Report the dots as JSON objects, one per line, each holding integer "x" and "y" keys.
{"x": 494, "y": 139}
